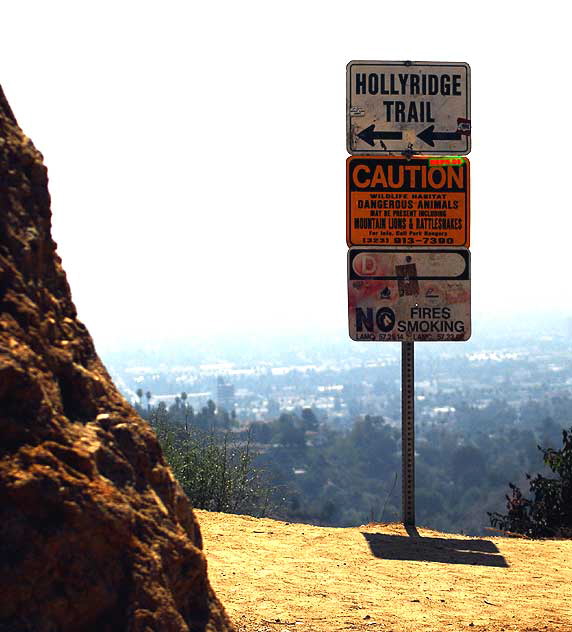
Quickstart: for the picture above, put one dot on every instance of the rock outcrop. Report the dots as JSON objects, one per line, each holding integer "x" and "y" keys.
{"x": 95, "y": 533}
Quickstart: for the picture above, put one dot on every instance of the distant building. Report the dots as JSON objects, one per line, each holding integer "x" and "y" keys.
{"x": 224, "y": 394}
{"x": 273, "y": 409}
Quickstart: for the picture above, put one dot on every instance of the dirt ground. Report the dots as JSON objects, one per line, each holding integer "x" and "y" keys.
{"x": 282, "y": 577}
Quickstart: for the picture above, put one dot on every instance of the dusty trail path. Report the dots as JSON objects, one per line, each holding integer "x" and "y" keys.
{"x": 275, "y": 576}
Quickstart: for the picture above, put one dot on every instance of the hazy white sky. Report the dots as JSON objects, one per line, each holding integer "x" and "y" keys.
{"x": 196, "y": 153}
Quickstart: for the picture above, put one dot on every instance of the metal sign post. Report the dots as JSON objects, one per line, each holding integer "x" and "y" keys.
{"x": 408, "y": 433}
{"x": 407, "y": 216}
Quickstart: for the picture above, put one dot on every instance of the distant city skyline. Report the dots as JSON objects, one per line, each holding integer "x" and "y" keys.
{"x": 341, "y": 384}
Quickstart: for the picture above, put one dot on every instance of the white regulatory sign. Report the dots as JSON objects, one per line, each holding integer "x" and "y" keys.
{"x": 408, "y": 295}
{"x": 400, "y": 106}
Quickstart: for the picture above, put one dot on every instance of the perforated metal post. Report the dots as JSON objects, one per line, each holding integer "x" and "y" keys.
{"x": 408, "y": 433}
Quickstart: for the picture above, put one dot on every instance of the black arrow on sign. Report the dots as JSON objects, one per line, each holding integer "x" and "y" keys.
{"x": 369, "y": 135}
{"x": 429, "y": 135}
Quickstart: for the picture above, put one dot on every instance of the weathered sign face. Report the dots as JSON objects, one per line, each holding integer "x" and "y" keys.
{"x": 409, "y": 295}
{"x": 421, "y": 202}
{"x": 397, "y": 106}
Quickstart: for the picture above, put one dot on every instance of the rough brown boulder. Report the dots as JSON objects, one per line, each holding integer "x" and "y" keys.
{"x": 95, "y": 534}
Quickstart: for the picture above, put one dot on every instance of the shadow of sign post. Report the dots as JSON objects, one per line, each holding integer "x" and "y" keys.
{"x": 415, "y": 547}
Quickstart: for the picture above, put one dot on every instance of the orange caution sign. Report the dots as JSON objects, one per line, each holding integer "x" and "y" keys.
{"x": 417, "y": 202}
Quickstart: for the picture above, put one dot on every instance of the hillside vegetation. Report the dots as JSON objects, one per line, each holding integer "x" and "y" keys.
{"x": 300, "y": 470}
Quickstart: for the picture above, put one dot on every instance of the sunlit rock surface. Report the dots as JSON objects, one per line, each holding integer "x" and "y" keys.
{"x": 95, "y": 534}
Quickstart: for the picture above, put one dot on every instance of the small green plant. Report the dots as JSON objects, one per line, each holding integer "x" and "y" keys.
{"x": 549, "y": 512}
{"x": 215, "y": 473}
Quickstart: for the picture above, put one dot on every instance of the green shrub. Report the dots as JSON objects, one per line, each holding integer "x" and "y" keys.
{"x": 549, "y": 512}
{"x": 216, "y": 474}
